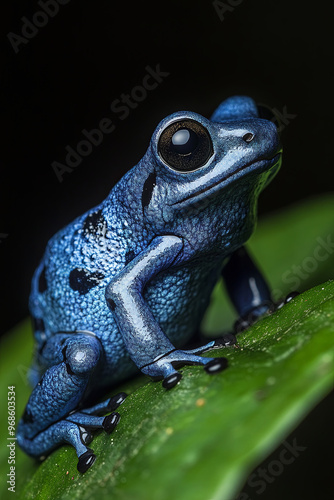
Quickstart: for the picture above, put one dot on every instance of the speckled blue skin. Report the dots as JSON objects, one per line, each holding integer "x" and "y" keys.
{"x": 125, "y": 285}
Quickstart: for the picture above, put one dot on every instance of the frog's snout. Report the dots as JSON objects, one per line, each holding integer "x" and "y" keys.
{"x": 265, "y": 138}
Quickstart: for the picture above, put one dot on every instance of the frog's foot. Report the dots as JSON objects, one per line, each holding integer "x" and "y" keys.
{"x": 254, "y": 314}
{"x": 85, "y": 424}
{"x": 75, "y": 429}
{"x": 62, "y": 431}
{"x": 87, "y": 419}
{"x": 164, "y": 367}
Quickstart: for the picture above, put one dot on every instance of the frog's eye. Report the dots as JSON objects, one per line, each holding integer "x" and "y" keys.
{"x": 185, "y": 145}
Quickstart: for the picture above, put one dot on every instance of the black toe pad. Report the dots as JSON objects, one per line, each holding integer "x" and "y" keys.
{"x": 216, "y": 365}
{"x": 110, "y": 422}
{"x": 86, "y": 460}
{"x": 171, "y": 380}
{"x": 291, "y": 296}
{"x": 117, "y": 400}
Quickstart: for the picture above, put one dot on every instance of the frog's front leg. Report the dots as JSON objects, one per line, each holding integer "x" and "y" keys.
{"x": 249, "y": 293}
{"x": 146, "y": 343}
{"x": 247, "y": 288}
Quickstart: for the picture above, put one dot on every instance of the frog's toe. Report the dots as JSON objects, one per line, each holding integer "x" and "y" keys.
{"x": 216, "y": 365}
{"x": 171, "y": 381}
{"x": 107, "y": 406}
{"x": 291, "y": 296}
{"x": 86, "y": 460}
{"x": 287, "y": 299}
{"x": 85, "y": 435}
{"x": 110, "y": 422}
{"x": 88, "y": 422}
{"x": 116, "y": 401}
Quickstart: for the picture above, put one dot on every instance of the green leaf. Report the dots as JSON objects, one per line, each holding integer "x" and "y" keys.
{"x": 201, "y": 439}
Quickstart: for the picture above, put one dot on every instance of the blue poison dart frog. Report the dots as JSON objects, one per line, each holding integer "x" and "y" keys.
{"x": 124, "y": 287}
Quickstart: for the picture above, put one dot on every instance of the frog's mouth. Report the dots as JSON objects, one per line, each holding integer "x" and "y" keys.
{"x": 261, "y": 164}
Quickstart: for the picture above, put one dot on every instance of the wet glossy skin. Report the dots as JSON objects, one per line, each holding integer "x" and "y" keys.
{"x": 126, "y": 285}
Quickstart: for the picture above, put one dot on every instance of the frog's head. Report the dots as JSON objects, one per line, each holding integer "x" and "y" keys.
{"x": 195, "y": 163}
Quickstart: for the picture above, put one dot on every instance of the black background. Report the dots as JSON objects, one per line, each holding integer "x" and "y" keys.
{"x": 65, "y": 78}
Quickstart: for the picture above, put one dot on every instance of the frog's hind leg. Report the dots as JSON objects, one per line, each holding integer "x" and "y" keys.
{"x": 50, "y": 417}
{"x": 61, "y": 432}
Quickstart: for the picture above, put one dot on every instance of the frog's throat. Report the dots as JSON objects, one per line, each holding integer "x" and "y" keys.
{"x": 273, "y": 159}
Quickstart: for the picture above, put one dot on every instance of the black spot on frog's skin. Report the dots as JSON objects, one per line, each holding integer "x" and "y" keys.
{"x": 42, "y": 284}
{"x": 129, "y": 256}
{"x": 148, "y": 190}
{"x": 82, "y": 280}
{"x": 95, "y": 224}
{"x": 27, "y": 417}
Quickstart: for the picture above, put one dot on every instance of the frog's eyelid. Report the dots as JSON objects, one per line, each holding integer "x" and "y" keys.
{"x": 176, "y": 117}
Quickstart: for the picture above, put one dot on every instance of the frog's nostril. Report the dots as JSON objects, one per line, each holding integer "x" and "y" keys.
{"x": 248, "y": 137}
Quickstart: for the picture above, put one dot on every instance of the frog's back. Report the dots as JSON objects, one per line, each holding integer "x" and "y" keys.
{"x": 77, "y": 262}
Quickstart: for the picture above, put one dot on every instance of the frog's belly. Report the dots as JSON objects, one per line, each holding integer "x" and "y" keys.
{"x": 178, "y": 299}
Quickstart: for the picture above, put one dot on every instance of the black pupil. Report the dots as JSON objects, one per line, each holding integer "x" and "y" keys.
{"x": 185, "y": 145}
{"x": 184, "y": 141}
